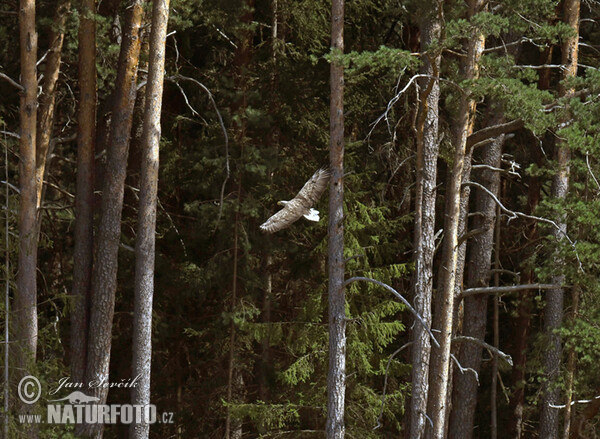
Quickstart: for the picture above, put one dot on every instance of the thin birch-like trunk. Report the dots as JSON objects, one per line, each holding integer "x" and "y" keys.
{"x": 25, "y": 302}
{"x": 336, "y": 377}
{"x": 104, "y": 278}
{"x": 145, "y": 238}
{"x": 439, "y": 375}
{"x": 424, "y": 242}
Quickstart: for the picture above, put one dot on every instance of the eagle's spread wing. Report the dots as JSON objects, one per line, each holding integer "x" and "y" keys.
{"x": 300, "y": 205}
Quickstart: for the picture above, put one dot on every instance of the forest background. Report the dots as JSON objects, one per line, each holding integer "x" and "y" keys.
{"x": 471, "y": 156}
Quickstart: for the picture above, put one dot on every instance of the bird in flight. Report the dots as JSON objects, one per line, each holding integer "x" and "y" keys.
{"x": 301, "y": 205}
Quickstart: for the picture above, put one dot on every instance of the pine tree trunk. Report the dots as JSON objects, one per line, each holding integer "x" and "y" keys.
{"x": 571, "y": 365}
{"x": 145, "y": 239}
{"x": 83, "y": 253}
{"x": 475, "y": 307}
{"x": 25, "y": 304}
{"x": 424, "y": 242}
{"x": 553, "y": 312}
{"x": 235, "y": 380}
{"x": 104, "y": 279}
{"x": 336, "y": 377}
{"x": 47, "y": 99}
{"x": 440, "y": 367}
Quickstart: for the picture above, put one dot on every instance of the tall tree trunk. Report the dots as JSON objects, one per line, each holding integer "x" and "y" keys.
{"x": 83, "y": 255}
{"x": 104, "y": 279}
{"x": 553, "y": 312}
{"x": 48, "y": 97}
{"x": 273, "y": 144}
{"x": 438, "y": 389}
{"x": 522, "y": 324}
{"x": 571, "y": 365}
{"x": 424, "y": 242}
{"x": 145, "y": 241}
{"x": 235, "y": 380}
{"x": 336, "y": 377}
{"x": 475, "y": 307}
{"x": 25, "y": 305}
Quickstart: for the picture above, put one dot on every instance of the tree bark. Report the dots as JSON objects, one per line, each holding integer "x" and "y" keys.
{"x": 45, "y": 120}
{"x": 571, "y": 365}
{"x": 336, "y": 377}
{"x": 104, "y": 279}
{"x": 83, "y": 254}
{"x": 475, "y": 307}
{"x": 553, "y": 311}
{"x": 145, "y": 239}
{"x": 25, "y": 304}
{"x": 438, "y": 389}
{"x": 424, "y": 241}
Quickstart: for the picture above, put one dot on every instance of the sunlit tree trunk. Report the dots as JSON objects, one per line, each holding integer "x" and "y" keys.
{"x": 145, "y": 241}
{"x": 83, "y": 253}
{"x": 104, "y": 279}
{"x": 336, "y": 377}
{"x": 440, "y": 367}
{"x": 425, "y": 193}
{"x": 25, "y": 304}
{"x": 47, "y": 99}
{"x": 475, "y": 307}
{"x": 553, "y": 312}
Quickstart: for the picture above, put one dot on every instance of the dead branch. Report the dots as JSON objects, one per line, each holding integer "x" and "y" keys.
{"x": 494, "y": 131}
{"x": 12, "y": 81}
{"x": 387, "y": 368}
{"x": 493, "y": 350}
{"x": 514, "y": 214}
{"x": 174, "y": 79}
{"x": 399, "y": 296}
{"x": 465, "y": 369}
{"x": 506, "y": 289}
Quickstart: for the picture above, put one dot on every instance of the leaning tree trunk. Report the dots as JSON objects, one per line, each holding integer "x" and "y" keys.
{"x": 336, "y": 377}
{"x": 25, "y": 305}
{"x": 104, "y": 279}
{"x": 45, "y": 120}
{"x": 475, "y": 307}
{"x": 145, "y": 241}
{"x": 424, "y": 242}
{"x": 438, "y": 390}
{"x": 84, "y": 192}
{"x": 553, "y": 312}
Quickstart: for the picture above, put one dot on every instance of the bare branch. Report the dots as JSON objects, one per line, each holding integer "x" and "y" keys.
{"x": 506, "y": 289}
{"x": 494, "y": 131}
{"x": 10, "y": 134}
{"x": 587, "y": 162}
{"x": 12, "y": 81}
{"x": 465, "y": 369}
{"x": 493, "y": 350}
{"x": 514, "y": 214}
{"x": 399, "y": 296}
{"x": 12, "y": 186}
{"x": 581, "y": 401}
{"x": 493, "y": 168}
{"x": 174, "y": 79}
{"x": 387, "y": 368}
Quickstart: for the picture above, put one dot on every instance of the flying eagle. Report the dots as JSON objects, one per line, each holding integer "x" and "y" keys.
{"x": 300, "y": 206}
